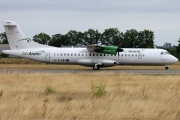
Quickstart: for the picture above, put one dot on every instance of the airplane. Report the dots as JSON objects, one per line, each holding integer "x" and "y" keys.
{"x": 95, "y": 55}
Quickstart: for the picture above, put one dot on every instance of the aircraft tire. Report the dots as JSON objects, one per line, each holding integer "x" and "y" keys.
{"x": 166, "y": 68}
{"x": 96, "y": 67}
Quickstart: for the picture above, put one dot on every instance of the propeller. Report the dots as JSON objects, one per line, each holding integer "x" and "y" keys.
{"x": 119, "y": 49}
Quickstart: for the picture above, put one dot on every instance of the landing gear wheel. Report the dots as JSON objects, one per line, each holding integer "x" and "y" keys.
{"x": 96, "y": 67}
{"x": 166, "y": 67}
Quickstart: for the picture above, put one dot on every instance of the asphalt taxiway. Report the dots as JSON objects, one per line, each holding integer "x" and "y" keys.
{"x": 134, "y": 71}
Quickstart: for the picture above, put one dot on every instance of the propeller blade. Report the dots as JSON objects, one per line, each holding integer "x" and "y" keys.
{"x": 118, "y": 57}
{"x": 119, "y": 49}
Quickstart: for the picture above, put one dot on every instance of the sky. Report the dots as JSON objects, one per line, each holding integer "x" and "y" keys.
{"x": 60, "y": 16}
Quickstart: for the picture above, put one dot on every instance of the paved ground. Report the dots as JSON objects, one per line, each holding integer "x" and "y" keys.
{"x": 136, "y": 71}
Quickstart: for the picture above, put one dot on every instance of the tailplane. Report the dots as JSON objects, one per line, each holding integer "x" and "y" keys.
{"x": 17, "y": 39}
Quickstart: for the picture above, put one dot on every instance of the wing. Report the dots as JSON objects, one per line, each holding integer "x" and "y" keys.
{"x": 94, "y": 47}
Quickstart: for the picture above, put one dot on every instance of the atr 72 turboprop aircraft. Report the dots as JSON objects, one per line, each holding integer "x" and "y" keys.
{"x": 95, "y": 56}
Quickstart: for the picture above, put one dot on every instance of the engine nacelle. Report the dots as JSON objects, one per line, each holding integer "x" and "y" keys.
{"x": 107, "y": 50}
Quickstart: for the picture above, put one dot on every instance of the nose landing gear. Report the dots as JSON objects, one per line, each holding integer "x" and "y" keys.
{"x": 166, "y": 67}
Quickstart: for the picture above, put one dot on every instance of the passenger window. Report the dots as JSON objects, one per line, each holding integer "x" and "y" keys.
{"x": 89, "y": 54}
{"x": 75, "y": 54}
{"x": 64, "y": 54}
{"x": 96, "y": 54}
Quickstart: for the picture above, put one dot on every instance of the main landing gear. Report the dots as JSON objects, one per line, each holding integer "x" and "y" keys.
{"x": 166, "y": 67}
{"x": 96, "y": 67}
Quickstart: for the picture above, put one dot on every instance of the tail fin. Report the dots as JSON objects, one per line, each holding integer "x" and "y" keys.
{"x": 17, "y": 39}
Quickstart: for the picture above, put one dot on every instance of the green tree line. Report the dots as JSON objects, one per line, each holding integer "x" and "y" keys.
{"x": 112, "y": 36}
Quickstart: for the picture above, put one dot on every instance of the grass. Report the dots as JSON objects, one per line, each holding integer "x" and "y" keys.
{"x": 49, "y": 90}
{"x": 128, "y": 96}
{"x": 76, "y": 95}
{"x": 18, "y": 61}
{"x": 98, "y": 90}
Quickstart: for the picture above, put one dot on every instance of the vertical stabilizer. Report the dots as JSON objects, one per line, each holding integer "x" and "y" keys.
{"x": 17, "y": 39}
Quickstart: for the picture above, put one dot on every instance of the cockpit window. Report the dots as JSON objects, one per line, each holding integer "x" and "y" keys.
{"x": 164, "y": 53}
{"x": 167, "y": 53}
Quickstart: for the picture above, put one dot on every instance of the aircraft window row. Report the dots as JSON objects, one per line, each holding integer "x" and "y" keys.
{"x": 82, "y": 54}
{"x": 133, "y": 55}
{"x": 96, "y": 54}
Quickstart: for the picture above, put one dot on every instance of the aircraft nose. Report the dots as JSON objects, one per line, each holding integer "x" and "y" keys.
{"x": 174, "y": 59}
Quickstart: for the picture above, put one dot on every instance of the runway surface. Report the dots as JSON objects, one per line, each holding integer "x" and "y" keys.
{"x": 135, "y": 71}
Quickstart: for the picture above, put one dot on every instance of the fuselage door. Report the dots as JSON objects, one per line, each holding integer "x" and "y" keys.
{"x": 140, "y": 56}
{"x": 47, "y": 57}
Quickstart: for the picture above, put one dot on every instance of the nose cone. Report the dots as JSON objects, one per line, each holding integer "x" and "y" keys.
{"x": 174, "y": 59}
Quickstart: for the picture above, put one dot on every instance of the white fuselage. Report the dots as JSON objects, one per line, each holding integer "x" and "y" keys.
{"x": 95, "y": 56}
{"x": 81, "y": 56}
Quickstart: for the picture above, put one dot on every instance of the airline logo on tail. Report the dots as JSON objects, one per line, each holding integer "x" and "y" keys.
{"x": 27, "y": 39}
